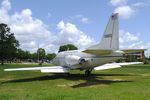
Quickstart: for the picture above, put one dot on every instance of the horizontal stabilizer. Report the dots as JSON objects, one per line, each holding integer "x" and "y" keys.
{"x": 49, "y": 69}
{"x": 98, "y": 52}
{"x": 133, "y": 50}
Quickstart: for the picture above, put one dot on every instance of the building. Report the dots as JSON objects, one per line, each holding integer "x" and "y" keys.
{"x": 134, "y": 55}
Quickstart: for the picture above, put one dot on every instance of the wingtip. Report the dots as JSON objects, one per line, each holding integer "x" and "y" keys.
{"x": 6, "y": 70}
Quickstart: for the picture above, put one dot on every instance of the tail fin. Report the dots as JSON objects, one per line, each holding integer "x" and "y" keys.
{"x": 110, "y": 39}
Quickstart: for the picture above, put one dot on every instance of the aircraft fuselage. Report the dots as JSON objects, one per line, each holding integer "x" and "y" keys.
{"x": 77, "y": 59}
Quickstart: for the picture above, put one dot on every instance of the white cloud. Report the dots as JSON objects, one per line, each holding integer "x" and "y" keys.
{"x": 118, "y": 2}
{"x": 81, "y": 18}
{"x": 125, "y": 9}
{"x": 27, "y": 29}
{"x": 69, "y": 33}
{"x": 6, "y": 5}
{"x": 31, "y": 31}
{"x": 127, "y": 37}
{"x": 137, "y": 45}
{"x": 132, "y": 41}
{"x": 85, "y": 20}
{"x": 138, "y": 4}
{"x": 125, "y": 12}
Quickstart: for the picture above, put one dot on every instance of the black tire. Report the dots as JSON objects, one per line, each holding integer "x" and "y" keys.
{"x": 67, "y": 74}
{"x": 87, "y": 73}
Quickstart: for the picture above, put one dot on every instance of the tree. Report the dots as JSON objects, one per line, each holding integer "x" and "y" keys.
{"x": 50, "y": 56}
{"x": 8, "y": 43}
{"x": 34, "y": 56}
{"x": 21, "y": 54}
{"x": 67, "y": 47}
{"x": 41, "y": 53}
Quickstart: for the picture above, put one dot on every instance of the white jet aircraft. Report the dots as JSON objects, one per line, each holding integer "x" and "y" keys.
{"x": 97, "y": 57}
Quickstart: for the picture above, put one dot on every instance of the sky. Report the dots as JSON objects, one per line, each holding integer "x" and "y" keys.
{"x": 50, "y": 23}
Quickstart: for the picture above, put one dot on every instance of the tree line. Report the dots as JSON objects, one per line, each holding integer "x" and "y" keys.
{"x": 10, "y": 51}
{"x": 39, "y": 55}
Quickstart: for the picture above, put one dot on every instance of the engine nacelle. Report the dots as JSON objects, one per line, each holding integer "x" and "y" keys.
{"x": 73, "y": 60}
{"x": 82, "y": 61}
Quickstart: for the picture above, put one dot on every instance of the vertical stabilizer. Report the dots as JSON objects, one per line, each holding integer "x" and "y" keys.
{"x": 110, "y": 39}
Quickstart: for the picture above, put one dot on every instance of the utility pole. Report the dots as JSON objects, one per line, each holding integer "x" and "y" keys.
{"x": 38, "y": 54}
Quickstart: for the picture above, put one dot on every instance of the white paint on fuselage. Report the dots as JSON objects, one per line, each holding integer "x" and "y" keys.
{"x": 92, "y": 60}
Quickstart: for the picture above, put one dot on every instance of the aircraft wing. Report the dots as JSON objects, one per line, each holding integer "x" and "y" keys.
{"x": 129, "y": 63}
{"x": 97, "y": 52}
{"x": 107, "y": 66}
{"x": 48, "y": 69}
{"x": 115, "y": 65}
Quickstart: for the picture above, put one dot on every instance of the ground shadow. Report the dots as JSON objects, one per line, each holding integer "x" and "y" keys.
{"x": 94, "y": 79}
{"x": 99, "y": 82}
{"x": 114, "y": 74}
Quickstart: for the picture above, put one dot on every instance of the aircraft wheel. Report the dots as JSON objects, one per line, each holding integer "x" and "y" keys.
{"x": 87, "y": 73}
{"x": 67, "y": 74}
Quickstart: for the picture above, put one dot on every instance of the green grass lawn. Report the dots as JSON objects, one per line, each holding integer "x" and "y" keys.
{"x": 126, "y": 83}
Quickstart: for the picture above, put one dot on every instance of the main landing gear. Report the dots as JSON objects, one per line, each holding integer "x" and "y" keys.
{"x": 67, "y": 74}
{"x": 88, "y": 72}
